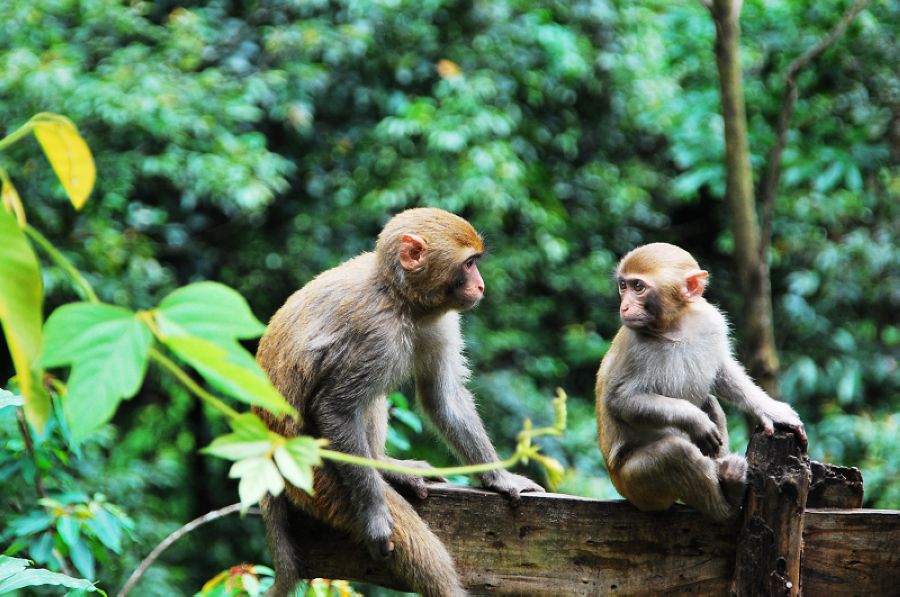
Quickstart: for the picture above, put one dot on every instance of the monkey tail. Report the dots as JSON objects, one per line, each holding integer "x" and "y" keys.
{"x": 419, "y": 557}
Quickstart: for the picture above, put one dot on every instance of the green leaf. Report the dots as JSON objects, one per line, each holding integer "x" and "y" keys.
{"x": 82, "y": 557}
{"x": 83, "y": 331}
{"x": 249, "y": 427}
{"x": 226, "y": 447}
{"x": 68, "y": 154}
{"x": 257, "y": 476}
{"x": 260, "y": 570}
{"x": 108, "y": 348}
{"x": 306, "y": 449}
{"x": 41, "y": 549}
{"x": 209, "y": 310}
{"x": 299, "y": 473}
{"x": 251, "y": 584}
{"x": 219, "y": 367}
{"x": 29, "y": 524}
{"x": 21, "y": 304}
{"x": 106, "y": 527}
{"x": 318, "y": 588}
{"x": 9, "y": 198}
{"x": 10, "y": 566}
{"x": 15, "y": 574}
{"x": 408, "y": 418}
{"x": 69, "y": 529}
{"x": 827, "y": 180}
{"x": 396, "y": 440}
{"x": 9, "y": 399}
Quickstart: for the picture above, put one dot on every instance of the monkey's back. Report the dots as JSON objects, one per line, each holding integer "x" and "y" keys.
{"x": 327, "y": 337}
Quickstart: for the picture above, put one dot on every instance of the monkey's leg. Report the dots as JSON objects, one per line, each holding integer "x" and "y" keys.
{"x": 674, "y": 468}
{"x": 419, "y": 557}
{"x": 276, "y": 513}
{"x": 733, "y": 478}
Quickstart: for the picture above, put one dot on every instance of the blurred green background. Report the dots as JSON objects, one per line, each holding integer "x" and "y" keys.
{"x": 257, "y": 143}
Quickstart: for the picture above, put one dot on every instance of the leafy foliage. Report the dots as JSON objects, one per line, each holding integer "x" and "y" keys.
{"x": 15, "y": 574}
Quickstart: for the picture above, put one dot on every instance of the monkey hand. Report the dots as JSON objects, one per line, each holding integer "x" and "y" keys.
{"x": 378, "y": 530}
{"x": 706, "y": 436}
{"x": 781, "y": 414}
{"x": 415, "y": 485}
{"x": 508, "y": 484}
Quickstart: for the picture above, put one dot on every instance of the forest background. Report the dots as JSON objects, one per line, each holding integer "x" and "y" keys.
{"x": 258, "y": 143}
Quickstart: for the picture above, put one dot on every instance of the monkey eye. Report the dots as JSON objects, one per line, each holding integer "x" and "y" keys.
{"x": 623, "y": 286}
{"x": 471, "y": 261}
{"x": 638, "y": 286}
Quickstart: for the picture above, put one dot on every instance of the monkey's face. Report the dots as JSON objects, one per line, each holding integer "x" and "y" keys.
{"x": 640, "y": 306}
{"x": 468, "y": 287}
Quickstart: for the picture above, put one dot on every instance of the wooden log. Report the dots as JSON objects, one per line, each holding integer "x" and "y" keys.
{"x": 563, "y": 545}
{"x": 770, "y": 541}
{"x": 834, "y": 486}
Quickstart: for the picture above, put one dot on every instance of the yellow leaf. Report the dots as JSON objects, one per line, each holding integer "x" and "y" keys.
{"x": 214, "y": 582}
{"x": 10, "y": 198}
{"x": 448, "y": 69}
{"x": 68, "y": 154}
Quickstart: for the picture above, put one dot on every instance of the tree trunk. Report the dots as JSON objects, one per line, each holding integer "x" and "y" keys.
{"x": 761, "y": 357}
{"x": 770, "y": 541}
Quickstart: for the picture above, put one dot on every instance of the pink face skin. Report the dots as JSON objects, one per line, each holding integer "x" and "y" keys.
{"x": 472, "y": 288}
{"x": 634, "y": 293}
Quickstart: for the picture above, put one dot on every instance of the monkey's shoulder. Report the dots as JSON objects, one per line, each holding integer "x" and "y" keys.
{"x": 353, "y": 275}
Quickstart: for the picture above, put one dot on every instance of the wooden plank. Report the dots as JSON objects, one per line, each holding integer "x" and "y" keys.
{"x": 770, "y": 540}
{"x": 564, "y": 545}
{"x": 551, "y": 545}
{"x": 851, "y": 552}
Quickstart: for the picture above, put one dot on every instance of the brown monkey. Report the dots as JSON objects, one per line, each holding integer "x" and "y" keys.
{"x": 662, "y": 434}
{"x": 338, "y": 346}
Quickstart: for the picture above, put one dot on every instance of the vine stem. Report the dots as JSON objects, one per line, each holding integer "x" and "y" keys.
{"x": 81, "y": 284}
{"x": 471, "y": 469}
{"x": 16, "y": 135}
{"x": 191, "y": 385}
{"x": 172, "y": 538}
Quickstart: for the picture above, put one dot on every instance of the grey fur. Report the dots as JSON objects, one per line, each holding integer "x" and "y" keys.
{"x": 662, "y": 433}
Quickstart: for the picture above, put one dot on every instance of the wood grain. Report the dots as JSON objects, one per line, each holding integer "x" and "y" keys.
{"x": 563, "y": 545}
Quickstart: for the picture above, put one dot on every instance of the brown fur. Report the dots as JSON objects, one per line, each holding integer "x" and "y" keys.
{"x": 338, "y": 346}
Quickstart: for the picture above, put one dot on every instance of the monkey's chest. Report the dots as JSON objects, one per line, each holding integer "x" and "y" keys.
{"x": 682, "y": 370}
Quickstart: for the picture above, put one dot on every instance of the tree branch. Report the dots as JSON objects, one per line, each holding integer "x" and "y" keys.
{"x": 772, "y": 177}
{"x": 172, "y": 538}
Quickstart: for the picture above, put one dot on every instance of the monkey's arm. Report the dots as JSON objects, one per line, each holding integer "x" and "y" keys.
{"x": 451, "y": 407}
{"x": 734, "y": 385}
{"x": 654, "y": 411}
{"x": 441, "y": 375}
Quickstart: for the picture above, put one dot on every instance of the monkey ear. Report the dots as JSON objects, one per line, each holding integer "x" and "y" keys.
{"x": 412, "y": 251}
{"x": 694, "y": 284}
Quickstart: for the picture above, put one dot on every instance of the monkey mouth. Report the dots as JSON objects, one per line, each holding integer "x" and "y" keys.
{"x": 467, "y": 303}
{"x": 635, "y": 322}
